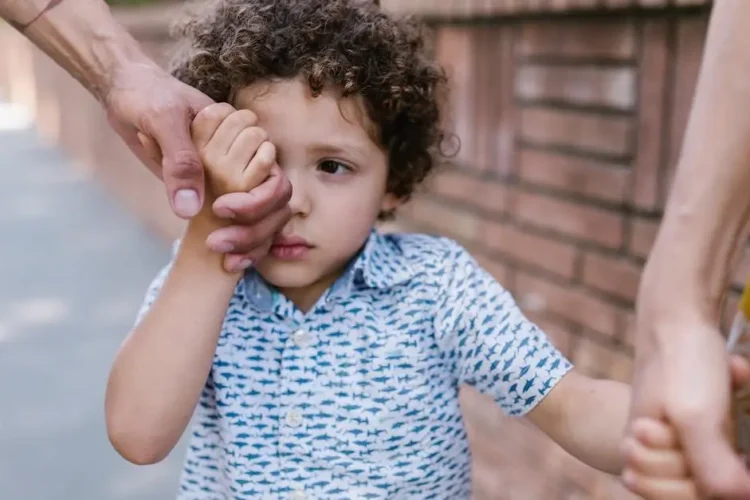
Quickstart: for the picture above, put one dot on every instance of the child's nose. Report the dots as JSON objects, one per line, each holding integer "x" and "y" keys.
{"x": 299, "y": 203}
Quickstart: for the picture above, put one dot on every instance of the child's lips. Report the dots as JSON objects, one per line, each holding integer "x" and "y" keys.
{"x": 290, "y": 248}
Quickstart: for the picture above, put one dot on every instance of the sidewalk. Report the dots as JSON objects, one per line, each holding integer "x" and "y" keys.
{"x": 73, "y": 269}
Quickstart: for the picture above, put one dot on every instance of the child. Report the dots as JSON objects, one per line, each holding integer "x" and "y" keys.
{"x": 331, "y": 368}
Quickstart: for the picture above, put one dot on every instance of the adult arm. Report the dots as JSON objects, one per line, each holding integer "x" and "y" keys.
{"x": 148, "y": 106}
{"x": 83, "y": 38}
{"x": 681, "y": 361}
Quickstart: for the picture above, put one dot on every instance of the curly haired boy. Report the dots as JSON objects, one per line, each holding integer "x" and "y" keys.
{"x": 330, "y": 367}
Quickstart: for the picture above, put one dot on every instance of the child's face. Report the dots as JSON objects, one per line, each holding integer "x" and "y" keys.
{"x": 338, "y": 176}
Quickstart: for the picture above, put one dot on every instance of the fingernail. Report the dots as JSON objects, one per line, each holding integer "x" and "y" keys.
{"x": 221, "y": 247}
{"x": 242, "y": 265}
{"x": 186, "y": 203}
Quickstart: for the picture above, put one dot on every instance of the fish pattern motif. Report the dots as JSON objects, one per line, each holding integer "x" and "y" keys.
{"x": 357, "y": 398}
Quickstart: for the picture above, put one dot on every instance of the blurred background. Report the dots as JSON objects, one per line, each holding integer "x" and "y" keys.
{"x": 570, "y": 113}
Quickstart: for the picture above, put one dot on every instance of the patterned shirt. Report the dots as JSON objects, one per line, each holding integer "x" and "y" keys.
{"x": 358, "y": 397}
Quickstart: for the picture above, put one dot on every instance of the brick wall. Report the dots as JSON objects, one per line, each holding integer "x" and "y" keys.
{"x": 570, "y": 125}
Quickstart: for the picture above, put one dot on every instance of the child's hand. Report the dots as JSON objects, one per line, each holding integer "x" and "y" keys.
{"x": 235, "y": 152}
{"x": 656, "y": 467}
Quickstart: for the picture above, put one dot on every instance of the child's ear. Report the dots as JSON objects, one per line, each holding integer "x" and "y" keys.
{"x": 390, "y": 203}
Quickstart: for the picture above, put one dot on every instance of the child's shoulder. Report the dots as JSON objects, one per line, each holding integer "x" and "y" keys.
{"x": 433, "y": 255}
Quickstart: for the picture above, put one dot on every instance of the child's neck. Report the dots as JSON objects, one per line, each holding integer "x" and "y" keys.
{"x": 306, "y": 297}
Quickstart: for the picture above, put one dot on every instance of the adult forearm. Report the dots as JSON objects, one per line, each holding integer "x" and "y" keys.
{"x": 162, "y": 367}
{"x": 80, "y": 35}
{"x": 708, "y": 208}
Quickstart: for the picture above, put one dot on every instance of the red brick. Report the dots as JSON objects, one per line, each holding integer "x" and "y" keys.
{"x": 555, "y": 331}
{"x": 451, "y": 222}
{"x": 629, "y": 328}
{"x": 642, "y": 237}
{"x": 594, "y": 40}
{"x": 488, "y": 102}
{"x": 459, "y": 185}
{"x": 577, "y": 175}
{"x": 498, "y": 270}
{"x": 570, "y": 303}
{"x": 575, "y": 129}
{"x": 653, "y": 77}
{"x": 527, "y": 248}
{"x": 506, "y": 117}
{"x": 454, "y": 50}
{"x": 580, "y": 85}
{"x": 613, "y": 275}
{"x": 580, "y": 221}
{"x": 602, "y": 361}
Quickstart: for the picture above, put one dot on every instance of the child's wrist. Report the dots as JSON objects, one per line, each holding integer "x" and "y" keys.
{"x": 194, "y": 249}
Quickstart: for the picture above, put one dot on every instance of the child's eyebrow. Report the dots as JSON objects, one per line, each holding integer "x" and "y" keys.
{"x": 339, "y": 147}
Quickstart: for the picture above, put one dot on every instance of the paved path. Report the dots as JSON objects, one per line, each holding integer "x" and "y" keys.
{"x": 73, "y": 269}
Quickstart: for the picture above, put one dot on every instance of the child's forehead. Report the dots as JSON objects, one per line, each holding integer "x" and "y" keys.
{"x": 290, "y": 104}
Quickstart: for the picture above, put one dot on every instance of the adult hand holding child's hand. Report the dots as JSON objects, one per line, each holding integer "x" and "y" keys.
{"x": 245, "y": 186}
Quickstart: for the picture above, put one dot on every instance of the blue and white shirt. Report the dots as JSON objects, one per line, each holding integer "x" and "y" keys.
{"x": 358, "y": 397}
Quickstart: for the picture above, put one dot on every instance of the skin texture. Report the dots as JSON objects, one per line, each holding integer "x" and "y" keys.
{"x": 681, "y": 361}
{"x": 152, "y": 112}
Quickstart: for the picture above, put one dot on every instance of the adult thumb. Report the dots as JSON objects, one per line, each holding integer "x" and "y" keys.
{"x": 182, "y": 169}
{"x": 718, "y": 468}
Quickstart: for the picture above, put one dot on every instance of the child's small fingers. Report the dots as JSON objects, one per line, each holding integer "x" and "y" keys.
{"x": 656, "y": 463}
{"x": 655, "y": 433}
{"x": 659, "y": 489}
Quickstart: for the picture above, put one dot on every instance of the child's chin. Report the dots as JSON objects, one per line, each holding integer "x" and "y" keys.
{"x": 282, "y": 275}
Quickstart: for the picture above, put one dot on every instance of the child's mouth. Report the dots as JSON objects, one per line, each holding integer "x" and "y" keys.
{"x": 290, "y": 248}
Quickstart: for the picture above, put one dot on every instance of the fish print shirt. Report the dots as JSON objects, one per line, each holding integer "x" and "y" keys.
{"x": 358, "y": 397}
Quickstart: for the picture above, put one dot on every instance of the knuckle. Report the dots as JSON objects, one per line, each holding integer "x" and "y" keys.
{"x": 246, "y": 116}
{"x": 184, "y": 163}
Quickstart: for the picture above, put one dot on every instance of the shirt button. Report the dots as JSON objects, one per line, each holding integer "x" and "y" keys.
{"x": 301, "y": 338}
{"x": 298, "y": 495}
{"x": 293, "y": 418}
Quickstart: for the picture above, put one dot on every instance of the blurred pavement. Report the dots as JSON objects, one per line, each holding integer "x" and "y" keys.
{"x": 73, "y": 269}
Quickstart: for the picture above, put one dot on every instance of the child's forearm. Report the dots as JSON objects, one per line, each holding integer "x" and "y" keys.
{"x": 597, "y": 425}
{"x": 162, "y": 367}
{"x": 587, "y": 417}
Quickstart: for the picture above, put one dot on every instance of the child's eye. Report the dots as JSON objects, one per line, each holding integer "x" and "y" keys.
{"x": 333, "y": 167}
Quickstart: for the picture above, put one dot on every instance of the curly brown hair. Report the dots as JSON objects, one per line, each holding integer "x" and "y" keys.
{"x": 348, "y": 44}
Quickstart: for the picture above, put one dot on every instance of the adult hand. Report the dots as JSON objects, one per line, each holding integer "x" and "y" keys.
{"x": 143, "y": 98}
{"x": 254, "y": 216}
{"x": 686, "y": 379}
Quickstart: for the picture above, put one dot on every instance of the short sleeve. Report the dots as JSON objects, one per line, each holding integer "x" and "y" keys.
{"x": 155, "y": 287}
{"x": 495, "y": 348}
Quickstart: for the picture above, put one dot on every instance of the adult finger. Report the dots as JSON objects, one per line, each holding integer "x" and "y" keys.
{"x": 718, "y": 469}
{"x": 239, "y": 262}
{"x": 182, "y": 169}
{"x": 248, "y": 208}
{"x": 243, "y": 239}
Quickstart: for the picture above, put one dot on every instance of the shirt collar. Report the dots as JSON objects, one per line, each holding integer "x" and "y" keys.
{"x": 381, "y": 264}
